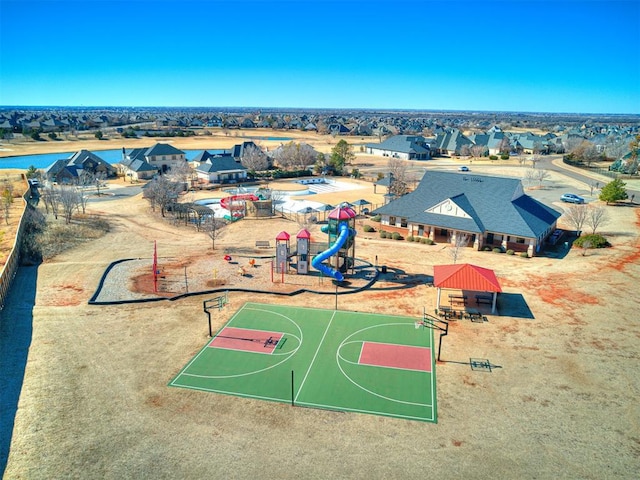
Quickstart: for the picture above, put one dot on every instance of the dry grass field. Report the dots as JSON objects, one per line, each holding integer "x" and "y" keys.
{"x": 564, "y": 404}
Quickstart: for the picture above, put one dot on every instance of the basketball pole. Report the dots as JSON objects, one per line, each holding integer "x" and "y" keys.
{"x": 292, "y": 394}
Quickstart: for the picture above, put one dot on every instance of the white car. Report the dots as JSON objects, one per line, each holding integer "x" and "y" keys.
{"x": 463, "y": 168}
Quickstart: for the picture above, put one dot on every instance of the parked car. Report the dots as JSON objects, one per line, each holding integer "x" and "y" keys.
{"x": 572, "y": 198}
{"x": 463, "y": 168}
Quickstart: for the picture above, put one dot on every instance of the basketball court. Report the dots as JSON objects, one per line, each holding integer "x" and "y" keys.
{"x": 327, "y": 359}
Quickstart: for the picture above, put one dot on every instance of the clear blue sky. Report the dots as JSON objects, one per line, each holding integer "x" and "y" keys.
{"x": 537, "y": 56}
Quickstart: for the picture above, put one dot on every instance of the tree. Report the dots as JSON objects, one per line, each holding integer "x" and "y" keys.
{"x": 613, "y": 191}
{"x": 99, "y": 135}
{"x": 478, "y": 150}
{"x": 399, "y": 180}
{"x": 593, "y": 185}
{"x": 541, "y": 175}
{"x": 254, "y": 159}
{"x": 505, "y": 146}
{"x": 295, "y": 155}
{"x": 576, "y": 215}
{"x": 597, "y": 216}
{"x": 341, "y": 154}
{"x": 455, "y": 249}
{"x": 51, "y": 198}
{"x": 162, "y": 192}
{"x": 7, "y": 199}
{"x": 70, "y": 201}
{"x": 181, "y": 174}
{"x": 213, "y": 228}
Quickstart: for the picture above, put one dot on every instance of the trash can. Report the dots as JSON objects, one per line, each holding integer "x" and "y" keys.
{"x": 383, "y": 269}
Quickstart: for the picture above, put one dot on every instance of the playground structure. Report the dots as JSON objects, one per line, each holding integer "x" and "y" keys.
{"x": 342, "y": 245}
{"x": 250, "y": 205}
{"x": 339, "y": 254}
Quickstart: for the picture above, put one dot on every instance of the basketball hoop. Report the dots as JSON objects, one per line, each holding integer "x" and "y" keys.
{"x": 419, "y": 324}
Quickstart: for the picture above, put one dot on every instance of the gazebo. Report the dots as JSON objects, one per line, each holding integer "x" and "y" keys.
{"x": 467, "y": 277}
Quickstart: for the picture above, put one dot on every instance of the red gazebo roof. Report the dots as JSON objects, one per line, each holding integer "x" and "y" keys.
{"x": 465, "y": 277}
{"x": 304, "y": 233}
{"x": 283, "y": 236}
{"x": 342, "y": 213}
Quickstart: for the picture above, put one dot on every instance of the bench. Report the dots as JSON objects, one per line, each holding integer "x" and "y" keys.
{"x": 486, "y": 299}
{"x": 263, "y": 244}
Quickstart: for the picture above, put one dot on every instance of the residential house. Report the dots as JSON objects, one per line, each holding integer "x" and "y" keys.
{"x": 451, "y": 142}
{"x": 69, "y": 170}
{"x": 144, "y": 163}
{"x": 222, "y": 168}
{"x": 490, "y": 211}
{"x": 406, "y": 147}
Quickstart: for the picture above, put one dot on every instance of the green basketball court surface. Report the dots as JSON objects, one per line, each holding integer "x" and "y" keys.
{"x": 328, "y": 359}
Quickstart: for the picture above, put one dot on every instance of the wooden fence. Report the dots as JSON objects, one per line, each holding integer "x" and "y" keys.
{"x": 8, "y": 272}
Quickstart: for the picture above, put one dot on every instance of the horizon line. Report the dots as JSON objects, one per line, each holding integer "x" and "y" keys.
{"x": 370, "y": 109}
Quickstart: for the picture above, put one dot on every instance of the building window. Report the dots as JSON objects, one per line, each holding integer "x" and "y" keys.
{"x": 403, "y": 222}
{"x": 519, "y": 240}
{"x": 392, "y": 221}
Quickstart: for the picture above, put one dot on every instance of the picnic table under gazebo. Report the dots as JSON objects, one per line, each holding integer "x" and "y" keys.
{"x": 468, "y": 279}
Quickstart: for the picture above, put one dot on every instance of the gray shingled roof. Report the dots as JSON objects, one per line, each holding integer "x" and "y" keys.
{"x": 402, "y": 144}
{"x": 163, "y": 149}
{"x": 221, "y": 163}
{"x": 495, "y": 204}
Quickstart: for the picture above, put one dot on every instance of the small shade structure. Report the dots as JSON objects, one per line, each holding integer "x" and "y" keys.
{"x": 466, "y": 277}
{"x": 360, "y": 204}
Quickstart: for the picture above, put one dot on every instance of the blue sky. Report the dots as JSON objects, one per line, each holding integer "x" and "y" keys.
{"x": 536, "y": 56}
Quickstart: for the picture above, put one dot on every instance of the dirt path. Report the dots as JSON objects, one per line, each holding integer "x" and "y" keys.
{"x": 95, "y": 401}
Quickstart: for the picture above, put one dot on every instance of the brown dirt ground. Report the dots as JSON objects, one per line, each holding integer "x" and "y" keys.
{"x": 95, "y": 401}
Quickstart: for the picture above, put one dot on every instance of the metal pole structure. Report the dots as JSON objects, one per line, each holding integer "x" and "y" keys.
{"x": 336, "y": 296}
{"x": 292, "y": 391}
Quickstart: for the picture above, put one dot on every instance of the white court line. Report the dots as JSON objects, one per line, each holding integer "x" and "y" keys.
{"x": 315, "y": 355}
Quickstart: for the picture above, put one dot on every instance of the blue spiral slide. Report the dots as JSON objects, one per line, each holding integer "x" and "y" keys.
{"x": 316, "y": 263}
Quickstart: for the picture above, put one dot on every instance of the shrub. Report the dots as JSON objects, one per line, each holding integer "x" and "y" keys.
{"x": 375, "y": 218}
{"x": 510, "y": 252}
{"x": 486, "y": 248}
{"x": 411, "y": 238}
{"x": 493, "y": 157}
{"x": 368, "y": 228}
{"x": 396, "y": 236}
{"x": 383, "y": 234}
{"x": 504, "y": 157}
{"x": 524, "y": 254}
{"x": 595, "y": 240}
{"x": 427, "y": 241}
{"x": 497, "y": 250}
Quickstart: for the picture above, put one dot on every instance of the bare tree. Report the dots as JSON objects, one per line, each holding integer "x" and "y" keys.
{"x": 162, "y": 192}
{"x": 478, "y": 150}
{"x": 399, "y": 179}
{"x": 576, "y": 215}
{"x": 254, "y": 159}
{"x": 7, "y": 199}
{"x": 529, "y": 176}
{"x": 505, "y": 146}
{"x": 181, "y": 174}
{"x": 295, "y": 155}
{"x": 593, "y": 186}
{"x": 455, "y": 249}
{"x": 82, "y": 200}
{"x": 213, "y": 228}
{"x": 465, "y": 151}
{"x": 597, "y": 216}
{"x": 98, "y": 181}
{"x": 69, "y": 200}
{"x": 541, "y": 175}
{"x": 51, "y": 198}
